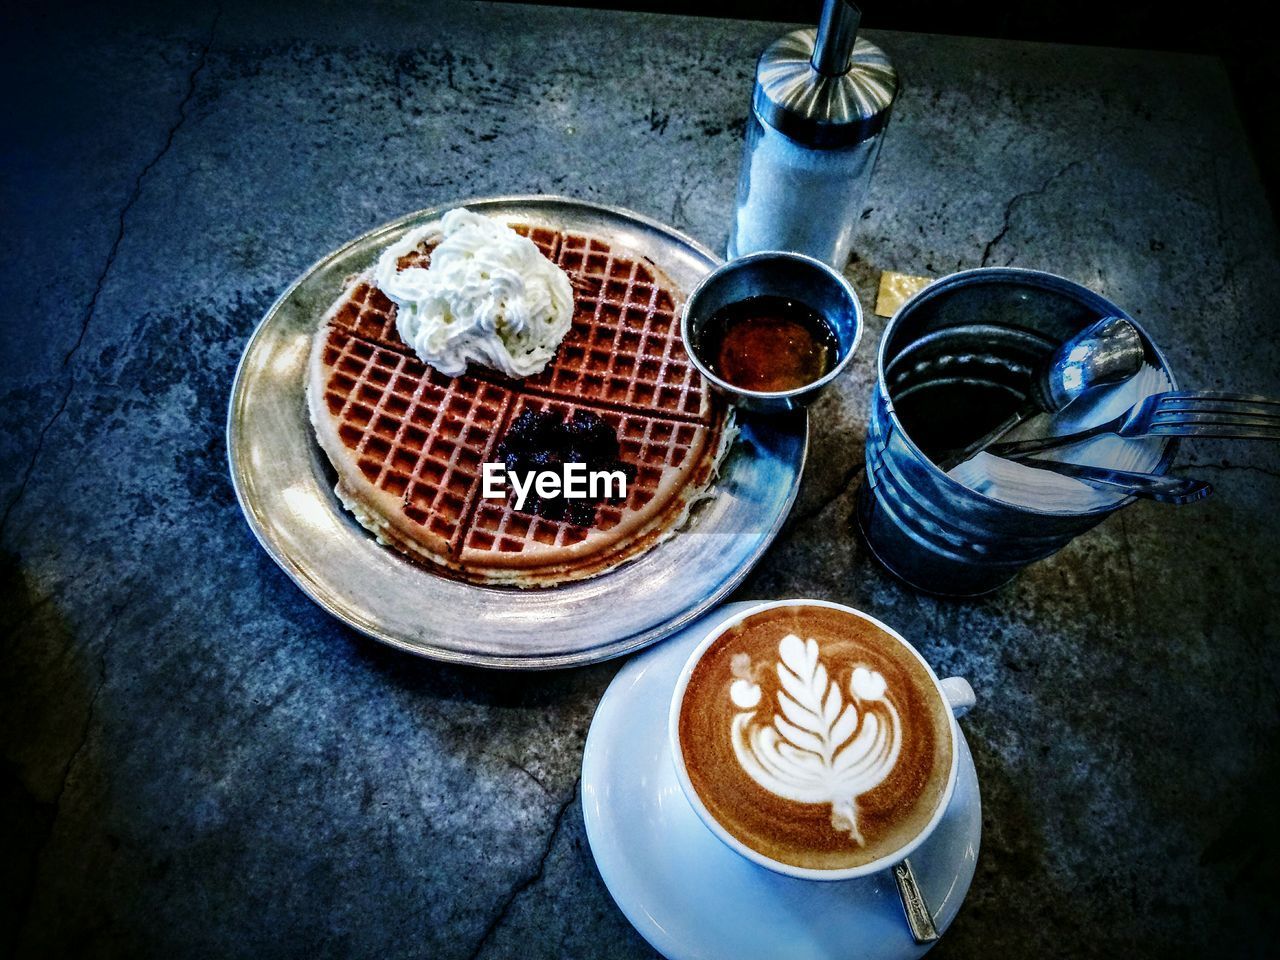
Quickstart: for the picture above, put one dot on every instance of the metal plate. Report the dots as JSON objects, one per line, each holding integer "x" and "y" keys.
{"x": 285, "y": 487}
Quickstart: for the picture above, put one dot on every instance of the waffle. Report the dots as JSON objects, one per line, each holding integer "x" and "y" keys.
{"x": 408, "y": 443}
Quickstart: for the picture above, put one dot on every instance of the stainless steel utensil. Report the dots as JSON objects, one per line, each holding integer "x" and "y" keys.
{"x": 1193, "y": 413}
{"x": 1107, "y": 352}
{"x": 1149, "y": 486}
{"x": 919, "y": 919}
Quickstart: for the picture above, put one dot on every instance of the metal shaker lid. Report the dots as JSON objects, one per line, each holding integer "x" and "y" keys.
{"x": 825, "y": 87}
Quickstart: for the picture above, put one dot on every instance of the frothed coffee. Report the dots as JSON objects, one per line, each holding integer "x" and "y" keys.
{"x": 815, "y": 738}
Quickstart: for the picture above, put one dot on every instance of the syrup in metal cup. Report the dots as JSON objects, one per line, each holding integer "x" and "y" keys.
{"x": 778, "y": 298}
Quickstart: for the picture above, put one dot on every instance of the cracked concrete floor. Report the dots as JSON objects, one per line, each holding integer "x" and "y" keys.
{"x": 198, "y": 761}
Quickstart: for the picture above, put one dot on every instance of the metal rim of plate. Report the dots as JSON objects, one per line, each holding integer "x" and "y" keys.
{"x": 284, "y": 485}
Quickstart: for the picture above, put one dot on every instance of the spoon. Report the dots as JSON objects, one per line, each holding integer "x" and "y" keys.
{"x": 1104, "y": 353}
{"x": 919, "y": 918}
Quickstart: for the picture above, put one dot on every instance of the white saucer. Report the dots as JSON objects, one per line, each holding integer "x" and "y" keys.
{"x": 691, "y": 896}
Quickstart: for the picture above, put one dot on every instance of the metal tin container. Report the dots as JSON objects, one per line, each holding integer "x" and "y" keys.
{"x": 984, "y": 329}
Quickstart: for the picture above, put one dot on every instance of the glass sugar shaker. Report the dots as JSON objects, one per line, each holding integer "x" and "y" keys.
{"x": 818, "y": 115}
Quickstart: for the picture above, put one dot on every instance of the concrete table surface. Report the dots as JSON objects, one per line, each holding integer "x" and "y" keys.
{"x": 197, "y": 761}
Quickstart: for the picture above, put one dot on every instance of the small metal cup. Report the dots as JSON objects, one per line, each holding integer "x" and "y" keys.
{"x": 791, "y": 275}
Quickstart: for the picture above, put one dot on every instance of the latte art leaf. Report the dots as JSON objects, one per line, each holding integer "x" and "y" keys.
{"x": 818, "y": 748}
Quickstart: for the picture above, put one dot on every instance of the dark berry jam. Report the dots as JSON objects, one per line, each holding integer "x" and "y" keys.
{"x": 540, "y": 440}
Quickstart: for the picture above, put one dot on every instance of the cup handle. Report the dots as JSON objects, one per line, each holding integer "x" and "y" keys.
{"x": 959, "y": 694}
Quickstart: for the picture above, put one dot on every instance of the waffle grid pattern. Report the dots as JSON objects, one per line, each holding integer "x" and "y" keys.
{"x": 422, "y": 437}
{"x": 416, "y": 434}
{"x": 624, "y": 348}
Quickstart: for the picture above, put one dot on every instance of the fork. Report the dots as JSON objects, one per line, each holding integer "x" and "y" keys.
{"x": 1191, "y": 413}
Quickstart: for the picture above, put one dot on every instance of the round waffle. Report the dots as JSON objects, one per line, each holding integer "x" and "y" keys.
{"x": 408, "y": 442}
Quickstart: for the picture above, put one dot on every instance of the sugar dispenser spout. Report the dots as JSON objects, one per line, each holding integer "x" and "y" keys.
{"x": 837, "y": 33}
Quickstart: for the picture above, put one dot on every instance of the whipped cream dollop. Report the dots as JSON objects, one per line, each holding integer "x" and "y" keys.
{"x": 488, "y": 295}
